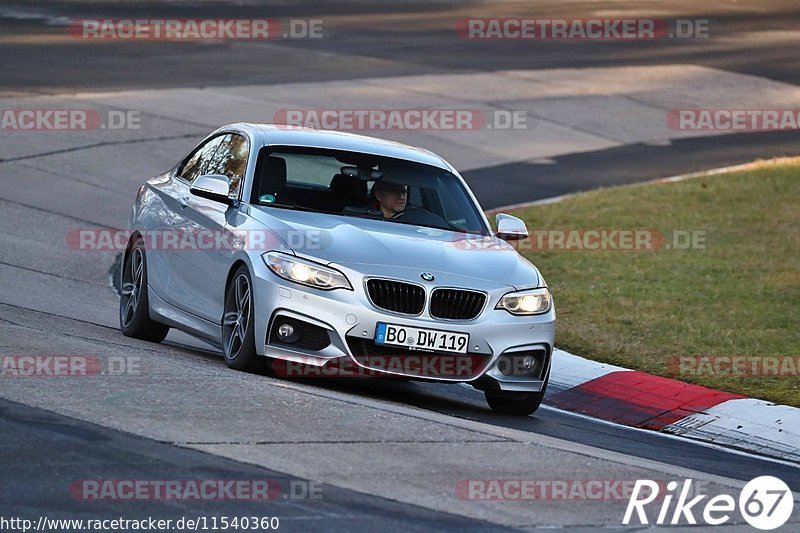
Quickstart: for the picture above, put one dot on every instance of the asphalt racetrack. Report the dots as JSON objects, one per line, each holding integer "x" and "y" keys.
{"x": 388, "y": 455}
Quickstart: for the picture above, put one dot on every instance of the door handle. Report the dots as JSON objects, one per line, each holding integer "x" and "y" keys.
{"x": 183, "y": 202}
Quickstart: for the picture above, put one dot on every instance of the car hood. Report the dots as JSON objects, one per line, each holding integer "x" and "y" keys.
{"x": 354, "y": 242}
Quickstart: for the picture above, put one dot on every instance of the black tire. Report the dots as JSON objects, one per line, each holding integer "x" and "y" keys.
{"x": 514, "y": 403}
{"x": 134, "y": 305}
{"x": 238, "y": 331}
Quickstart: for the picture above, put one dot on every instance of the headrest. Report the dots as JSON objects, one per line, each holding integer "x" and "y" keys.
{"x": 273, "y": 175}
{"x": 349, "y": 190}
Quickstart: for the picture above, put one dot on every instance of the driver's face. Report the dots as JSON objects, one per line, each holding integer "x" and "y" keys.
{"x": 393, "y": 200}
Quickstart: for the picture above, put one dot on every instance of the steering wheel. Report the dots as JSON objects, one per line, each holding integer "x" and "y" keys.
{"x": 419, "y": 216}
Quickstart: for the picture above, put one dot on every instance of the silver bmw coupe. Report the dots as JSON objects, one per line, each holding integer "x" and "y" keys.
{"x": 310, "y": 253}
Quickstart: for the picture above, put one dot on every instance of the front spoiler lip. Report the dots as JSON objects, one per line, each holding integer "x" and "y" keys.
{"x": 484, "y": 380}
{"x": 481, "y": 373}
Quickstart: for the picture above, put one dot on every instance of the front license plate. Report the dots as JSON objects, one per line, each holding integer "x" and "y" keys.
{"x": 421, "y": 338}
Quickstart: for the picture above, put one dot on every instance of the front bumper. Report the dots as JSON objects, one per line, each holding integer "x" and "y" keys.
{"x": 350, "y": 320}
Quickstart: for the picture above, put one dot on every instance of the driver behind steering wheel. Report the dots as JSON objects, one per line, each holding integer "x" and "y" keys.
{"x": 390, "y": 198}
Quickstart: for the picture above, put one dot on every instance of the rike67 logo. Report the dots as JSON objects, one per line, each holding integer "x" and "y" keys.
{"x": 765, "y": 503}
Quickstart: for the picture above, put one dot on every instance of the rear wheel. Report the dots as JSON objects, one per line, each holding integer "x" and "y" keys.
{"x": 134, "y": 306}
{"x": 238, "y": 335}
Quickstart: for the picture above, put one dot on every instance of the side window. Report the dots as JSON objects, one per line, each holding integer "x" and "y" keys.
{"x": 230, "y": 160}
{"x": 200, "y": 161}
{"x": 456, "y": 211}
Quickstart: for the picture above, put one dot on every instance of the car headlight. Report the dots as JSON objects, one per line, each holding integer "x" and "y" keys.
{"x": 529, "y": 302}
{"x": 306, "y": 272}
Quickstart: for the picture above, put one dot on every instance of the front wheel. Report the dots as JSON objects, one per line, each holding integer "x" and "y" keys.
{"x": 238, "y": 335}
{"x": 134, "y": 307}
{"x": 514, "y": 403}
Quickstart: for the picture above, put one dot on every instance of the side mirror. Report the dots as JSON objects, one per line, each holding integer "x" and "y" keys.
{"x": 510, "y": 228}
{"x": 212, "y": 186}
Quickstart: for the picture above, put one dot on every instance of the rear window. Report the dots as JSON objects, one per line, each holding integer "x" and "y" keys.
{"x": 309, "y": 169}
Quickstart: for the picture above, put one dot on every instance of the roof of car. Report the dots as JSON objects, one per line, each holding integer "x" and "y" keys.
{"x": 338, "y": 140}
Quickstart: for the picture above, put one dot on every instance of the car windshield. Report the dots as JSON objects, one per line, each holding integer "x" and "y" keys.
{"x": 364, "y": 186}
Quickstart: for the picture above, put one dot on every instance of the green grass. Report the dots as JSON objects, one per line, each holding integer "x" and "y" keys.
{"x": 739, "y": 295}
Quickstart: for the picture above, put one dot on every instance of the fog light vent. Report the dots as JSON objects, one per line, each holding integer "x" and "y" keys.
{"x": 298, "y": 334}
{"x": 524, "y": 364}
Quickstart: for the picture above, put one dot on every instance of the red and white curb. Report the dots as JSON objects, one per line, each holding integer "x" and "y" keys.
{"x": 641, "y": 400}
